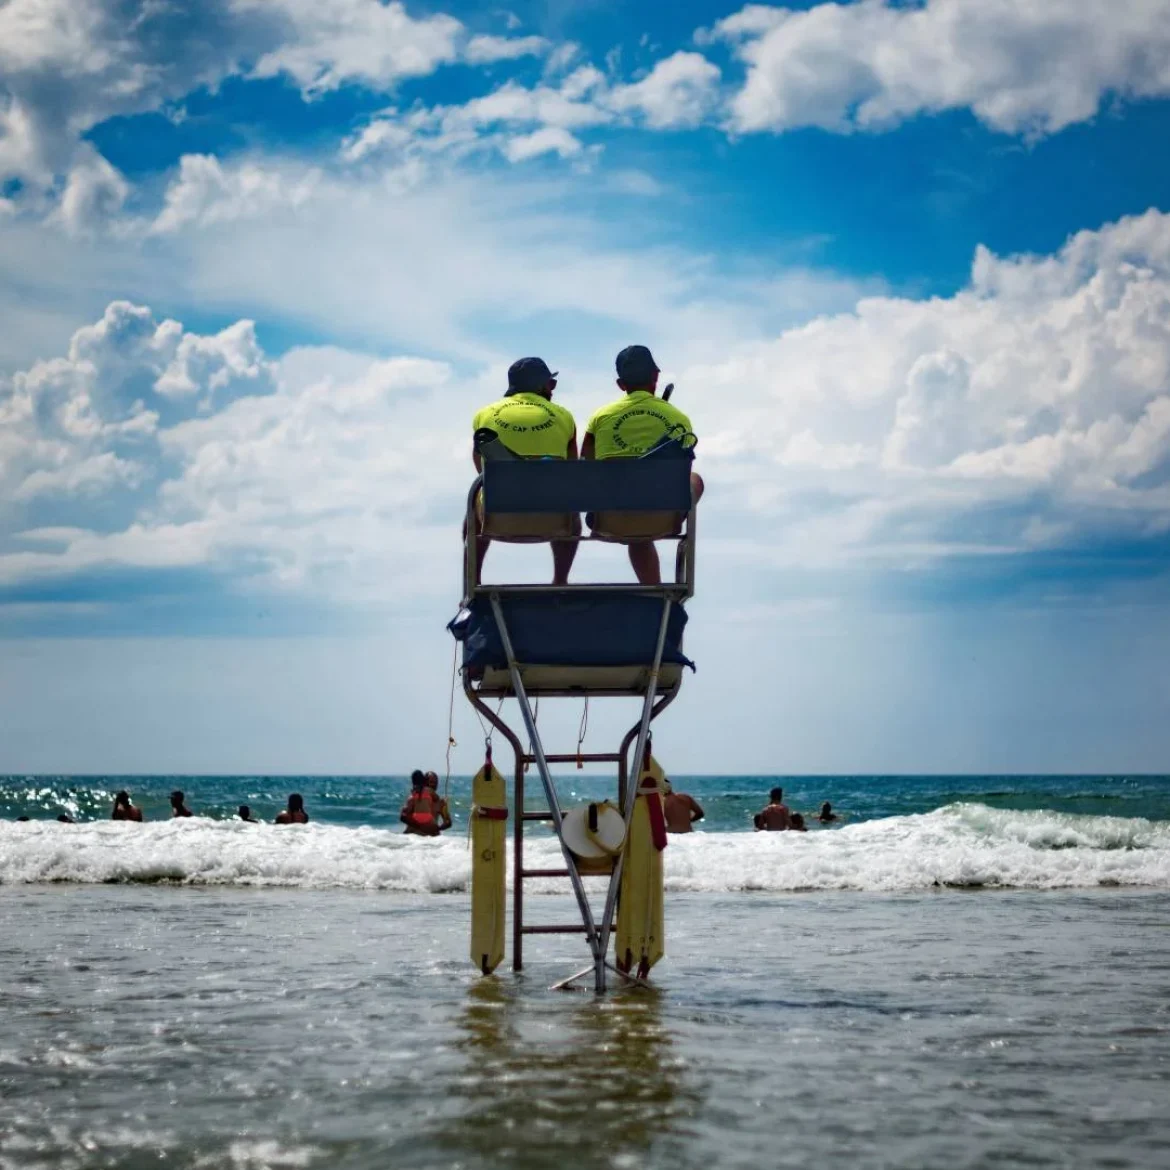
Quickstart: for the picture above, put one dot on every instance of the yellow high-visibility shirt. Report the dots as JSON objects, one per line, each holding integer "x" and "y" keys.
{"x": 528, "y": 425}
{"x": 633, "y": 424}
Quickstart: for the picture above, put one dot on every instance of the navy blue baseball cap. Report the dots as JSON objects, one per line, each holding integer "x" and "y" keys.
{"x": 636, "y": 366}
{"x": 529, "y": 375}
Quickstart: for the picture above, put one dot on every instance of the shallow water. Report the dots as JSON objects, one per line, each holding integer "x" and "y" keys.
{"x": 193, "y": 1027}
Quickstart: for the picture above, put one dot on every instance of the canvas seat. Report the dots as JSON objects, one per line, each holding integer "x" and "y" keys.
{"x": 621, "y": 527}
{"x": 527, "y": 527}
{"x": 518, "y": 527}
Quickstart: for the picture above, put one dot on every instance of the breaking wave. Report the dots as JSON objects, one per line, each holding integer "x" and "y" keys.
{"x": 966, "y": 845}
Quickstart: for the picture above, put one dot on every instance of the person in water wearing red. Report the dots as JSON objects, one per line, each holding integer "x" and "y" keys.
{"x": 295, "y": 813}
{"x": 420, "y": 812}
{"x": 124, "y": 810}
{"x": 442, "y": 811}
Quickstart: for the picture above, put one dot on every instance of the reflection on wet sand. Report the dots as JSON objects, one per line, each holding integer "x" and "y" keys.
{"x": 553, "y": 1082}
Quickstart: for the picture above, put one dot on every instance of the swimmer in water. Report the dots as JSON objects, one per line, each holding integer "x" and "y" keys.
{"x": 244, "y": 813}
{"x": 419, "y": 812}
{"x": 775, "y": 817}
{"x": 178, "y": 808}
{"x": 681, "y": 811}
{"x": 796, "y": 823}
{"x": 441, "y": 810}
{"x": 124, "y": 810}
{"x": 828, "y": 816}
{"x": 295, "y": 813}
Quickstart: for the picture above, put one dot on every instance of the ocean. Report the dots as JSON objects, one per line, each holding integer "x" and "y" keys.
{"x": 964, "y": 971}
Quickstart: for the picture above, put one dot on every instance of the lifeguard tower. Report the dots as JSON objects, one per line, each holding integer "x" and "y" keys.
{"x": 612, "y": 640}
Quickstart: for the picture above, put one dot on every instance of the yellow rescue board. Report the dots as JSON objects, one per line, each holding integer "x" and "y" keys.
{"x": 488, "y": 825}
{"x": 641, "y": 935}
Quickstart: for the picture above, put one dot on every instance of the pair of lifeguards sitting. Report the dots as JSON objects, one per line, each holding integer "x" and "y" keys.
{"x": 531, "y": 426}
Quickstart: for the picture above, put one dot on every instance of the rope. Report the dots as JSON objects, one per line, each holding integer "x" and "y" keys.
{"x": 581, "y": 733}
{"x": 451, "y": 719}
{"x": 487, "y": 733}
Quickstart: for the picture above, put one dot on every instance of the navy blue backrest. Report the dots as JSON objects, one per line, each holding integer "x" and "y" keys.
{"x": 588, "y": 485}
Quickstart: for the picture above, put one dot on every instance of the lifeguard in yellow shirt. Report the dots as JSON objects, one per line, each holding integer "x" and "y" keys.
{"x": 630, "y": 427}
{"x": 531, "y": 426}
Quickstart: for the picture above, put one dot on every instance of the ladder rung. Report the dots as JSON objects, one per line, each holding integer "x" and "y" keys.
{"x": 585, "y": 757}
{"x": 580, "y": 928}
{"x": 672, "y": 589}
{"x": 545, "y": 815}
{"x": 527, "y": 873}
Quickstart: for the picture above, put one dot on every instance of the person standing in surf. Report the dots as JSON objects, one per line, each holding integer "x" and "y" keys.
{"x": 442, "y": 811}
{"x": 681, "y": 811}
{"x": 295, "y": 813}
{"x": 124, "y": 810}
{"x": 419, "y": 812}
{"x": 774, "y": 817}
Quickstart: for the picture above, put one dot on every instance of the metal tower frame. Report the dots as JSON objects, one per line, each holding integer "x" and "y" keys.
{"x": 524, "y": 682}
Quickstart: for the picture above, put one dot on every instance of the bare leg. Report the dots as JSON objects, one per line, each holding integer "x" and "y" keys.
{"x": 644, "y": 558}
{"x": 564, "y": 552}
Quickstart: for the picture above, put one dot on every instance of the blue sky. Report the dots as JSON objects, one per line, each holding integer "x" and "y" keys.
{"x": 909, "y": 265}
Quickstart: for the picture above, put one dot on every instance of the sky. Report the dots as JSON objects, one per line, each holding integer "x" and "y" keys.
{"x": 907, "y": 263}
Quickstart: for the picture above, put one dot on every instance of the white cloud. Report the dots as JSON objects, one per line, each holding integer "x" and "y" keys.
{"x": 569, "y": 106}
{"x": 548, "y": 140}
{"x": 1022, "y": 66}
{"x": 325, "y": 44}
{"x": 82, "y": 477}
{"x": 89, "y": 421}
{"x": 68, "y": 65}
{"x": 560, "y": 58}
{"x": 431, "y": 259}
{"x": 205, "y": 191}
{"x": 94, "y": 192}
{"x": 679, "y": 91}
{"x": 1030, "y": 410}
{"x": 484, "y": 50}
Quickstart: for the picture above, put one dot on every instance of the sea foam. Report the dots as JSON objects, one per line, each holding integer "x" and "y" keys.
{"x": 959, "y": 845}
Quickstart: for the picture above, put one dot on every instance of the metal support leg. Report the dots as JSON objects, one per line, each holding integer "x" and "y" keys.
{"x": 518, "y": 868}
{"x": 631, "y": 789}
{"x": 550, "y": 790}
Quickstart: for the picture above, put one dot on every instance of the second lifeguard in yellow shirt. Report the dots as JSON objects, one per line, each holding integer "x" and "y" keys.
{"x": 631, "y": 426}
